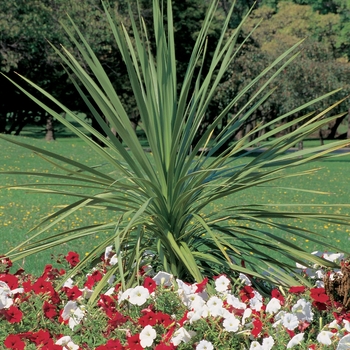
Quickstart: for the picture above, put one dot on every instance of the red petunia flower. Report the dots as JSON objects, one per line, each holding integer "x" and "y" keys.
{"x": 149, "y": 318}
{"x": 297, "y": 289}
{"x": 319, "y": 294}
{"x": 41, "y": 337}
{"x": 201, "y": 286}
{"x": 134, "y": 342}
{"x": 72, "y": 258}
{"x": 42, "y": 286}
{"x": 14, "y": 342}
{"x": 320, "y": 299}
{"x": 96, "y": 276}
{"x": 5, "y": 261}
{"x": 13, "y": 314}
{"x": 10, "y": 280}
{"x": 150, "y": 284}
{"x": 277, "y": 294}
{"x": 49, "y": 310}
{"x": 117, "y": 319}
{"x": 257, "y": 327}
{"x": 73, "y": 293}
{"x": 164, "y": 319}
{"x": 246, "y": 293}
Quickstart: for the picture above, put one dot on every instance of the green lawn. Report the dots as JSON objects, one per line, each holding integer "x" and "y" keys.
{"x": 20, "y": 211}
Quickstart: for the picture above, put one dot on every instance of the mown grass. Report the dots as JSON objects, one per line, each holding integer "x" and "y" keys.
{"x": 20, "y": 211}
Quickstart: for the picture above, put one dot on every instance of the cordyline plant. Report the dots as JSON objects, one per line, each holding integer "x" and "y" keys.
{"x": 159, "y": 199}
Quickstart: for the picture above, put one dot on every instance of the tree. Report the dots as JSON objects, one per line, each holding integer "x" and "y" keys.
{"x": 315, "y": 72}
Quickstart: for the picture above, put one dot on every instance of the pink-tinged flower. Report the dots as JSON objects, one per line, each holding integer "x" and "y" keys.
{"x": 205, "y": 345}
{"x": 257, "y": 327}
{"x": 14, "y": 342}
{"x": 296, "y": 340}
{"x": 221, "y": 284}
{"x": 297, "y": 290}
{"x": 49, "y": 310}
{"x": 147, "y": 336}
{"x": 6, "y": 262}
{"x": 325, "y": 337}
{"x": 150, "y": 284}
{"x": 13, "y": 314}
{"x": 134, "y": 342}
{"x": 72, "y": 259}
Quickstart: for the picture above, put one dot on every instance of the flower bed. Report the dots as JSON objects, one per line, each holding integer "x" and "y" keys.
{"x": 164, "y": 313}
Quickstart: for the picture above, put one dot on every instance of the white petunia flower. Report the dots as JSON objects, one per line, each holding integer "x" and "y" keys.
{"x": 325, "y": 337}
{"x": 205, "y": 345}
{"x": 333, "y": 257}
{"x": 245, "y": 279}
{"x": 302, "y": 310}
{"x": 164, "y": 279}
{"x": 69, "y": 309}
{"x": 296, "y": 340}
{"x": 268, "y": 343}
{"x": 214, "y": 305}
{"x": 181, "y": 335}
{"x": 197, "y": 314}
{"x": 147, "y": 335}
{"x": 69, "y": 283}
{"x": 346, "y": 325}
{"x": 344, "y": 343}
{"x": 124, "y": 295}
{"x": 108, "y": 251}
{"x": 67, "y": 343}
{"x": 138, "y": 295}
{"x": 254, "y": 345}
{"x": 76, "y": 317}
{"x": 246, "y": 314}
{"x": 273, "y": 306}
{"x": 221, "y": 284}
{"x": 235, "y": 302}
{"x": 231, "y": 324}
{"x": 255, "y": 303}
{"x": 290, "y": 321}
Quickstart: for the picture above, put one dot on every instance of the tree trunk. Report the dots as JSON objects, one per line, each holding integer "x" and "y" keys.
{"x": 50, "y": 132}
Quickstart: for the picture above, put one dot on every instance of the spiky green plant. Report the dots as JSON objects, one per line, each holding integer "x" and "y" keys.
{"x": 167, "y": 191}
